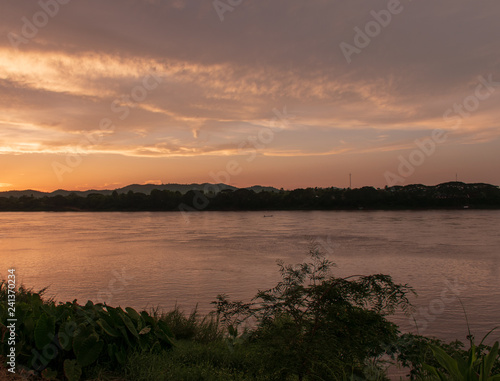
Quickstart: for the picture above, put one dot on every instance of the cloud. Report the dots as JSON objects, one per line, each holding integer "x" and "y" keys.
{"x": 154, "y": 182}
{"x": 221, "y": 80}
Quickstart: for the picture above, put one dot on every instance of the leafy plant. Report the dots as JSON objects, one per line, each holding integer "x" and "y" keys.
{"x": 476, "y": 366}
{"x": 315, "y": 324}
{"x": 69, "y": 338}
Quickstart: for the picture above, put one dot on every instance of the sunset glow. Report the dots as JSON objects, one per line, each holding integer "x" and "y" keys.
{"x": 118, "y": 92}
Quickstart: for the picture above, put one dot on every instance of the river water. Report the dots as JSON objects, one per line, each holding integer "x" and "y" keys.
{"x": 149, "y": 260}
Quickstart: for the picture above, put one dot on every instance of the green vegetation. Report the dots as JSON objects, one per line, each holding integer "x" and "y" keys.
{"x": 448, "y": 195}
{"x": 477, "y": 365}
{"x": 69, "y": 338}
{"x": 311, "y": 326}
{"x": 318, "y": 326}
{"x": 473, "y": 368}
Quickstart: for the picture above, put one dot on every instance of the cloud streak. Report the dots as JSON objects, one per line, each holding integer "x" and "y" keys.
{"x": 220, "y": 81}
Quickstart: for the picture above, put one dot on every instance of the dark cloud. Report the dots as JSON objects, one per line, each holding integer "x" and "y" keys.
{"x": 221, "y": 79}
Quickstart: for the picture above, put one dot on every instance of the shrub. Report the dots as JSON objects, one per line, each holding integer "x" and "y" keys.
{"x": 69, "y": 338}
{"x": 477, "y": 364}
{"x": 316, "y": 325}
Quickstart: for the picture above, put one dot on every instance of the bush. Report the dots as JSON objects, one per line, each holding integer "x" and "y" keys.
{"x": 69, "y": 339}
{"x": 479, "y": 363}
{"x": 315, "y": 325}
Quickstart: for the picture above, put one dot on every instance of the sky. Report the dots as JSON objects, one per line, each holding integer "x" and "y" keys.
{"x": 99, "y": 94}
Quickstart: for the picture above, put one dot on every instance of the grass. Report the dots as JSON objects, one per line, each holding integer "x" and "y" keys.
{"x": 202, "y": 352}
{"x": 193, "y": 327}
{"x": 195, "y": 361}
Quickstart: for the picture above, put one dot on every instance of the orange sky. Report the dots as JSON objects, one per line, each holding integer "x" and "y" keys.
{"x": 104, "y": 94}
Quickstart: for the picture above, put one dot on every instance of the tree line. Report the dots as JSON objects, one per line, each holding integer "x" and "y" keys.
{"x": 447, "y": 195}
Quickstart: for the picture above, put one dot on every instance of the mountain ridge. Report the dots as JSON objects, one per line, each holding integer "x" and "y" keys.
{"x": 142, "y": 188}
{"x": 222, "y": 197}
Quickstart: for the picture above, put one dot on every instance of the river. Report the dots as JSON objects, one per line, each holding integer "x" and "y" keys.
{"x": 160, "y": 259}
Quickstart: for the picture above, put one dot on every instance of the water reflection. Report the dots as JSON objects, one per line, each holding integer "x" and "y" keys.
{"x": 170, "y": 262}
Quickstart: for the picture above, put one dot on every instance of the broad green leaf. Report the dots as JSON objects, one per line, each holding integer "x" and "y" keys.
{"x": 446, "y": 361}
{"x": 65, "y": 336}
{"x": 72, "y": 370}
{"x": 115, "y": 315}
{"x": 125, "y": 335}
{"x": 163, "y": 333}
{"x": 148, "y": 319}
{"x": 44, "y": 331}
{"x": 128, "y": 323}
{"x": 86, "y": 345}
{"x": 89, "y": 350}
{"x": 434, "y": 371}
{"x": 107, "y": 328}
{"x": 489, "y": 361}
{"x": 133, "y": 314}
{"x": 117, "y": 353}
{"x": 106, "y": 316}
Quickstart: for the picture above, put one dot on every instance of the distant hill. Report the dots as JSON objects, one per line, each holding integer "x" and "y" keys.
{"x": 136, "y": 188}
{"x": 183, "y": 197}
{"x": 259, "y": 188}
{"x": 28, "y": 192}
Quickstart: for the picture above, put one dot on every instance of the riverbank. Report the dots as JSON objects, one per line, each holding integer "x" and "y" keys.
{"x": 311, "y": 325}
